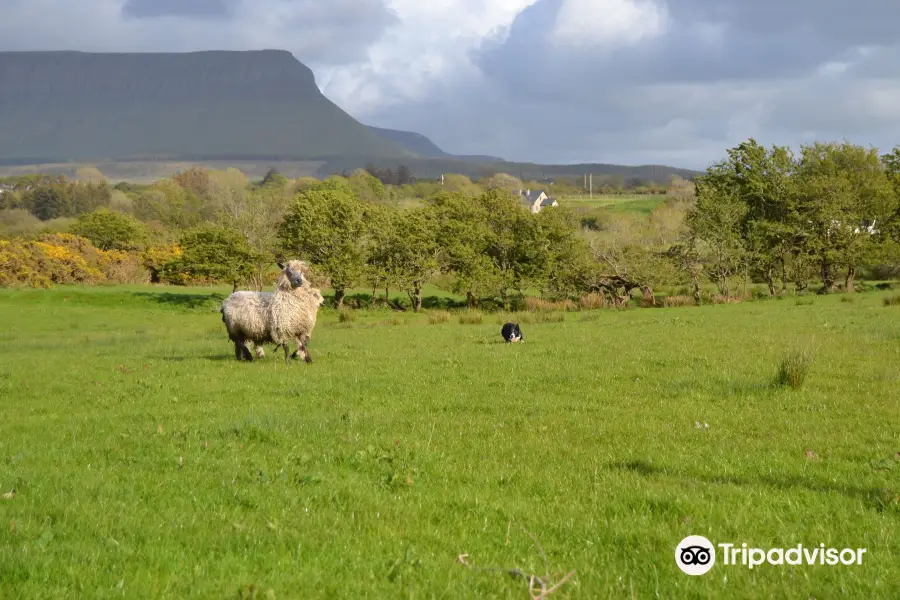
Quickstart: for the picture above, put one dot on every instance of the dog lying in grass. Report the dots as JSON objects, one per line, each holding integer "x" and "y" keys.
{"x": 512, "y": 333}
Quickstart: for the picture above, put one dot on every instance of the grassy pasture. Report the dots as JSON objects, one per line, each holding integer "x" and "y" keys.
{"x": 636, "y": 203}
{"x": 147, "y": 463}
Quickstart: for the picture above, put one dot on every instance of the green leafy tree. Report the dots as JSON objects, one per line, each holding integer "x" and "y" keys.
{"x": 253, "y": 212}
{"x": 49, "y": 199}
{"x": 557, "y": 253}
{"x": 632, "y": 253}
{"x": 715, "y": 223}
{"x": 502, "y": 181}
{"x": 171, "y": 204}
{"x": 110, "y": 230}
{"x": 454, "y": 182}
{"x": 216, "y": 253}
{"x": 843, "y": 192}
{"x": 513, "y": 242}
{"x": 273, "y": 178}
{"x": 761, "y": 179}
{"x": 464, "y": 237}
{"x": 412, "y": 251}
{"x": 87, "y": 197}
{"x": 325, "y": 226}
{"x": 379, "y": 220}
{"x": 366, "y": 186}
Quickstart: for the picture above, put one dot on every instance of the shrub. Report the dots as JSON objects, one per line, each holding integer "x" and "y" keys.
{"x": 38, "y": 264}
{"x": 541, "y": 305}
{"x": 110, "y": 230}
{"x": 675, "y": 301}
{"x": 213, "y": 254}
{"x": 593, "y": 301}
{"x": 847, "y": 299}
{"x": 15, "y": 222}
{"x": 58, "y": 225}
{"x": 804, "y": 301}
{"x": 471, "y": 317}
{"x": 155, "y": 258}
{"x": 65, "y": 258}
{"x": 346, "y": 316}
{"x": 438, "y": 317}
{"x": 892, "y": 300}
{"x": 123, "y": 267}
{"x": 19, "y": 266}
{"x": 793, "y": 370}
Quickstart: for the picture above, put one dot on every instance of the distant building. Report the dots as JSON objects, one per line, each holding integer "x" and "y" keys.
{"x": 536, "y": 200}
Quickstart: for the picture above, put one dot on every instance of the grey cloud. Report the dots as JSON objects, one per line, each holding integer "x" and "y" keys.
{"x": 178, "y": 8}
{"x": 678, "y": 125}
{"x": 327, "y": 33}
{"x": 684, "y": 97}
{"x": 757, "y": 40}
{"x": 725, "y": 70}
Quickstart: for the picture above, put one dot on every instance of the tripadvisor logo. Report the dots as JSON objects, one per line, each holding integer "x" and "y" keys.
{"x": 696, "y": 555}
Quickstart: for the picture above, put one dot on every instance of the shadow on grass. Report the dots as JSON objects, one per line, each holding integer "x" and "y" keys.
{"x": 209, "y": 357}
{"x": 878, "y": 499}
{"x": 399, "y": 303}
{"x": 184, "y": 301}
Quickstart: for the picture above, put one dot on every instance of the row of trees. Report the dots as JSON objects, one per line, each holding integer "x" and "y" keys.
{"x": 490, "y": 244}
{"x": 762, "y": 215}
{"x": 766, "y": 214}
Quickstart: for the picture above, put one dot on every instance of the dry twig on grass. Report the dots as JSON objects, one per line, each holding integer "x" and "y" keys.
{"x": 538, "y": 587}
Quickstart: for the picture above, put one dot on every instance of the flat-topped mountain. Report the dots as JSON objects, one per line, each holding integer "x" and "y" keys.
{"x": 254, "y": 106}
{"x": 64, "y": 106}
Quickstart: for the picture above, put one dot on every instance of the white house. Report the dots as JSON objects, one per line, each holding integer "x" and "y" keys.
{"x": 535, "y": 200}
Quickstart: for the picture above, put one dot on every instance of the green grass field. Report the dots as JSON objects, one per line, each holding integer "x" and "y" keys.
{"x": 634, "y": 203}
{"x": 147, "y": 463}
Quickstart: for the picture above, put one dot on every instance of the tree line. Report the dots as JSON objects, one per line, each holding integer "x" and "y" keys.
{"x": 829, "y": 213}
{"x": 769, "y": 215}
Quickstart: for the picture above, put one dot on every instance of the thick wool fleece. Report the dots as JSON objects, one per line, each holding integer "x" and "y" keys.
{"x": 293, "y": 311}
{"x": 263, "y": 317}
{"x": 246, "y": 314}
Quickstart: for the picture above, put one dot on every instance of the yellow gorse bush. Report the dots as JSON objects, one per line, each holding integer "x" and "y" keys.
{"x": 64, "y": 258}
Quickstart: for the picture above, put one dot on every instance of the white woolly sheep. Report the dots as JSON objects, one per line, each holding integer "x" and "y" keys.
{"x": 265, "y": 317}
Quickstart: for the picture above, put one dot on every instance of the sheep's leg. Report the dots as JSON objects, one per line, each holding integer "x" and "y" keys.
{"x": 287, "y": 353}
{"x": 245, "y": 348}
{"x": 299, "y": 351}
{"x": 302, "y": 346}
{"x": 238, "y": 351}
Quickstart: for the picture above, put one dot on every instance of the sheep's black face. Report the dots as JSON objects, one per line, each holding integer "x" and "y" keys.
{"x": 296, "y": 278}
{"x": 292, "y": 273}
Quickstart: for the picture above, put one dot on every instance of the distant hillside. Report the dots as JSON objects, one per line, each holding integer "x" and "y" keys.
{"x": 422, "y": 146}
{"x": 70, "y": 106}
{"x": 434, "y": 167}
{"x": 251, "y": 108}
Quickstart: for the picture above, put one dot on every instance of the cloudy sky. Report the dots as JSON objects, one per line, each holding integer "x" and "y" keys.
{"x": 626, "y": 81}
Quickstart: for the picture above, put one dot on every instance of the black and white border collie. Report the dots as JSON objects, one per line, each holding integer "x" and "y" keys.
{"x": 512, "y": 333}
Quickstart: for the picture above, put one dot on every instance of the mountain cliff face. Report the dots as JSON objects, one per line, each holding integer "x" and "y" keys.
{"x": 65, "y": 106}
{"x": 422, "y": 146}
